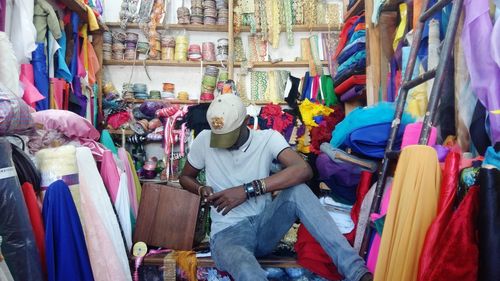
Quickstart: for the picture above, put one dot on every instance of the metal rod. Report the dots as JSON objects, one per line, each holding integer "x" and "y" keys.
{"x": 444, "y": 58}
{"x": 422, "y": 78}
{"x": 401, "y": 100}
{"x": 434, "y": 9}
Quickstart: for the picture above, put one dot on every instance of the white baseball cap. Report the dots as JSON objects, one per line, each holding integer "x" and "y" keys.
{"x": 225, "y": 115}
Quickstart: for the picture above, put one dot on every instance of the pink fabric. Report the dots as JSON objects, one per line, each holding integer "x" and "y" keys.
{"x": 58, "y": 85}
{"x": 71, "y": 124}
{"x": 123, "y": 155}
{"x": 412, "y": 134}
{"x": 31, "y": 94}
{"x": 315, "y": 87}
{"x": 109, "y": 174}
{"x": 371, "y": 262}
{"x": 105, "y": 246}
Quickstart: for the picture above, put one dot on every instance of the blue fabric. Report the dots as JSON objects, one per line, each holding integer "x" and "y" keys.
{"x": 371, "y": 140}
{"x": 358, "y": 69}
{"x": 382, "y": 112}
{"x": 62, "y": 70}
{"x": 358, "y": 34}
{"x": 357, "y": 60}
{"x": 67, "y": 256}
{"x": 306, "y": 88}
{"x": 40, "y": 72}
{"x": 353, "y": 27}
{"x": 349, "y": 50}
{"x": 492, "y": 157}
{"x": 78, "y": 102}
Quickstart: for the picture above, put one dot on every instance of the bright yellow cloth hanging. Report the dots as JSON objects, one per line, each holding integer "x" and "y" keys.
{"x": 412, "y": 209}
{"x": 400, "y": 32}
{"x": 93, "y": 25}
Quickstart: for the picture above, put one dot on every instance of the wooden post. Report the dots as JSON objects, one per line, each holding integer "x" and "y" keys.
{"x": 230, "y": 37}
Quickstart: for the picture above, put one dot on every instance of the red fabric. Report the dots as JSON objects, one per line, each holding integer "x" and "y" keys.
{"x": 276, "y": 118}
{"x": 311, "y": 255}
{"x": 456, "y": 254}
{"x": 36, "y": 221}
{"x": 115, "y": 120}
{"x": 450, "y": 250}
{"x": 343, "y": 34}
{"x": 349, "y": 83}
{"x": 323, "y": 133}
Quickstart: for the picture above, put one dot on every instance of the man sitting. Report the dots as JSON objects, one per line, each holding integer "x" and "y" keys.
{"x": 246, "y": 221}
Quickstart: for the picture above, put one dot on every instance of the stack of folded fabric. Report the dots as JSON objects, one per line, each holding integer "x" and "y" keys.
{"x": 350, "y": 80}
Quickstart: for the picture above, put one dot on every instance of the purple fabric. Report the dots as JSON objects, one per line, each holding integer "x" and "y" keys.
{"x": 3, "y": 7}
{"x": 352, "y": 93}
{"x": 484, "y": 72}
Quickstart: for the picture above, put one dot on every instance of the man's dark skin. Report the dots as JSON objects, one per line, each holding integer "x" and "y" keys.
{"x": 295, "y": 171}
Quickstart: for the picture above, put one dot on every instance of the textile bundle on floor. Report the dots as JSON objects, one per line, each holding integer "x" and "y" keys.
{"x": 411, "y": 210}
{"x": 18, "y": 245}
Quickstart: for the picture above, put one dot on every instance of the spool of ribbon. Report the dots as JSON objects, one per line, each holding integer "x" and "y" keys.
{"x": 183, "y": 95}
{"x": 168, "y": 87}
{"x": 207, "y": 96}
{"x": 208, "y": 51}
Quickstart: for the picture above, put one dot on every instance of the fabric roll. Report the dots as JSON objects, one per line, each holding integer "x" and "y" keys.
{"x": 115, "y": 181}
{"x": 412, "y": 134}
{"x": 132, "y": 193}
{"x": 412, "y": 208}
{"x": 352, "y": 81}
{"x": 489, "y": 224}
{"x": 35, "y": 215}
{"x": 450, "y": 241}
{"x": 67, "y": 256}
{"x": 371, "y": 140}
{"x": 353, "y": 93}
{"x": 18, "y": 245}
{"x": 60, "y": 163}
{"x": 102, "y": 231}
{"x": 39, "y": 63}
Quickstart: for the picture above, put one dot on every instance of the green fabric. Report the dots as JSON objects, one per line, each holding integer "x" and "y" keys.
{"x": 44, "y": 16}
{"x": 107, "y": 141}
{"x": 328, "y": 91}
{"x": 379, "y": 225}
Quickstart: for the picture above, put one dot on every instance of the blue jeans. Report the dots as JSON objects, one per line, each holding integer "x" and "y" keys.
{"x": 235, "y": 248}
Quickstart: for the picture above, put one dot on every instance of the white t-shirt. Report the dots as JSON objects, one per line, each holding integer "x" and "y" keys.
{"x": 229, "y": 168}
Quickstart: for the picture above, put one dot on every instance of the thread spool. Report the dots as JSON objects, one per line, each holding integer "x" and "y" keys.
{"x": 183, "y": 15}
{"x": 168, "y": 87}
{"x": 194, "y": 52}
{"x": 208, "y": 51}
{"x": 183, "y": 95}
{"x": 207, "y": 96}
{"x": 142, "y": 47}
{"x": 131, "y": 37}
{"x": 223, "y": 75}
{"x": 181, "y": 48}
{"x": 222, "y": 49}
{"x": 154, "y": 94}
{"x": 167, "y": 54}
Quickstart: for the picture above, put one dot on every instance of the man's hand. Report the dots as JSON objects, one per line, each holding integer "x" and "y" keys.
{"x": 228, "y": 199}
{"x": 205, "y": 192}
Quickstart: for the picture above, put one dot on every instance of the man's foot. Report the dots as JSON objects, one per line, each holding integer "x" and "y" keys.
{"x": 367, "y": 277}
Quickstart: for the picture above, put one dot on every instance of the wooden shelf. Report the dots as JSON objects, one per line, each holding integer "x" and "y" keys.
{"x": 356, "y": 9}
{"x": 301, "y": 28}
{"x": 119, "y": 132}
{"x": 81, "y": 10}
{"x": 176, "y": 101}
{"x": 162, "y": 63}
{"x": 188, "y": 27}
{"x": 280, "y": 262}
{"x": 279, "y": 64}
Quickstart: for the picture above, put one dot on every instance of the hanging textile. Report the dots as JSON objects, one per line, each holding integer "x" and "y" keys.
{"x": 489, "y": 224}
{"x": 18, "y": 245}
{"x": 45, "y": 19}
{"x": 123, "y": 155}
{"x": 62, "y": 70}
{"x": 31, "y": 94}
{"x": 67, "y": 256}
{"x": 411, "y": 210}
{"x": 102, "y": 231}
{"x": 483, "y": 70}
{"x": 450, "y": 250}
{"x": 39, "y": 62}
{"x": 20, "y": 28}
{"x": 35, "y": 215}
{"x": 78, "y": 102}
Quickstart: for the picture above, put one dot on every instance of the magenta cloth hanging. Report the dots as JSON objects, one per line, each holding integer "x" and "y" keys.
{"x": 109, "y": 174}
{"x": 484, "y": 72}
{"x": 3, "y": 6}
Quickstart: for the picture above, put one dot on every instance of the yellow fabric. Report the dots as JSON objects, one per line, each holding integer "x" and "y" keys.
{"x": 187, "y": 262}
{"x": 412, "y": 209}
{"x": 308, "y": 110}
{"x": 400, "y": 33}
{"x": 85, "y": 51}
{"x": 93, "y": 25}
{"x": 304, "y": 142}
{"x": 138, "y": 188}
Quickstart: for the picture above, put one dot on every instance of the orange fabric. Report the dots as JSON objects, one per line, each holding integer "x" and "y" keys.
{"x": 417, "y": 10}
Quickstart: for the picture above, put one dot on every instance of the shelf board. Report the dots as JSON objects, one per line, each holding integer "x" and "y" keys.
{"x": 269, "y": 64}
{"x": 176, "y": 101}
{"x": 188, "y": 27}
{"x": 162, "y": 63}
{"x": 356, "y": 9}
{"x": 119, "y": 132}
{"x": 300, "y": 28}
{"x": 77, "y": 7}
